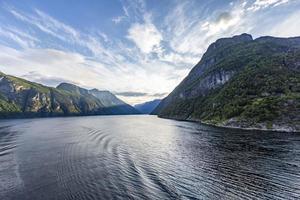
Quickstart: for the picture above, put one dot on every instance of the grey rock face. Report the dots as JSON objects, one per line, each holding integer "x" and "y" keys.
{"x": 211, "y": 81}
{"x": 6, "y": 86}
{"x": 241, "y": 82}
{"x": 107, "y": 98}
{"x": 21, "y": 98}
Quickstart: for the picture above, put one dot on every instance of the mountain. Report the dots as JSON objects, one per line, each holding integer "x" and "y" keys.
{"x": 22, "y": 98}
{"x": 109, "y": 102}
{"x": 243, "y": 83}
{"x": 147, "y": 107}
{"x": 107, "y": 98}
{"x": 112, "y": 103}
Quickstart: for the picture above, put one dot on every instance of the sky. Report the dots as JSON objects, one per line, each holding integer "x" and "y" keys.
{"x": 138, "y": 49}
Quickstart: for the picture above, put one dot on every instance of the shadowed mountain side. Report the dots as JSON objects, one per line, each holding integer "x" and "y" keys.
{"x": 147, "y": 107}
{"x": 113, "y": 110}
{"x": 22, "y": 98}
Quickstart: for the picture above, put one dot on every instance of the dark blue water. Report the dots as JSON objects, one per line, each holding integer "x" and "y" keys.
{"x": 144, "y": 157}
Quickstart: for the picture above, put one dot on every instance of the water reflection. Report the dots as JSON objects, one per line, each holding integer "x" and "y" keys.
{"x": 144, "y": 157}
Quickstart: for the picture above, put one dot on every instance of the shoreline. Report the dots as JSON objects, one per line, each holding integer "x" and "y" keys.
{"x": 233, "y": 127}
{"x": 250, "y": 129}
{"x": 283, "y": 130}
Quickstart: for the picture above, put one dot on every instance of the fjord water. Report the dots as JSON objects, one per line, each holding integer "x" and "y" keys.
{"x": 144, "y": 157}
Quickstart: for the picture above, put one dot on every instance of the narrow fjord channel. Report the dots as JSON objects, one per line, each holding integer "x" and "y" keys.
{"x": 144, "y": 157}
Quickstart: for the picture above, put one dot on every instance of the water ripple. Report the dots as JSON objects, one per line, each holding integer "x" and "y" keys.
{"x": 132, "y": 157}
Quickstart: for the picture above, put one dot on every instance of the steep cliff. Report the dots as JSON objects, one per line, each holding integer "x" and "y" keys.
{"x": 22, "y": 98}
{"x": 110, "y": 104}
{"x": 241, "y": 82}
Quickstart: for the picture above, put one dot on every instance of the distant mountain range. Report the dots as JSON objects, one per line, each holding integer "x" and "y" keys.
{"x": 22, "y": 98}
{"x": 147, "y": 107}
{"x": 242, "y": 83}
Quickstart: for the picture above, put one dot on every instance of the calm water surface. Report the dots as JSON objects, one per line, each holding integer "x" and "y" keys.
{"x": 144, "y": 157}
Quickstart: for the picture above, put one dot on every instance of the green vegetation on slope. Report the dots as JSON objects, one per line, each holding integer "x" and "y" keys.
{"x": 264, "y": 88}
{"x": 258, "y": 94}
{"x": 22, "y": 98}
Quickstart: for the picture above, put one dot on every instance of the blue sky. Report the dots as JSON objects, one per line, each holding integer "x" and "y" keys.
{"x": 138, "y": 49}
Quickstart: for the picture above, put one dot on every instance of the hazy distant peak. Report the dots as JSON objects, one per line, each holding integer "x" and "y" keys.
{"x": 147, "y": 107}
{"x": 106, "y": 97}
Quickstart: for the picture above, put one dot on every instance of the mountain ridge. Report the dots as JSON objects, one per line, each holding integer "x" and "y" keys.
{"x": 242, "y": 83}
{"x": 21, "y": 98}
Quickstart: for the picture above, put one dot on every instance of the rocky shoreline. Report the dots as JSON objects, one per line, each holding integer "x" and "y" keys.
{"x": 258, "y": 127}
{"x": 240, "y": 126}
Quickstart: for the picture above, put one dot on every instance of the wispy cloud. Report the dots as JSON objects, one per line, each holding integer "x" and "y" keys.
{"x": 261, "y": 4}
{"x": 47, "y": 24}
{"x": 193, "y": 32}
{"x": 131, "y": 94}
{"x": 288, "y": 27}
{"x": 45, "y": 79}
{"x": 146, "y": 36}
{"x": 118, "y": 19}
{"x": 140, "y": 94}
{"x": 68, "y": 34}
{"x": 153, "y": 55}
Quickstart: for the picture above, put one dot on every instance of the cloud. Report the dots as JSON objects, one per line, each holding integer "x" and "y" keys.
{"x": 104, "y": 36}
{"x": 134, "y": 9}
{"x": 157, "y": 52}
{"x": 68, "y": 35}
{"x": 139, "y": 97}
{"x": 159, "y": 94}
{"x": 140, "y": 94}
{"x": 224, "y": 22}
{"x": 22, "y": 39}
{"x": 131, "y": 94}
{"x": 288, "y": 27}
{"x": 48, "y": 62}
{"x": 191, "y": 30}
{"x": 73, "y": 67}
{"x": 262, "y": 4}
{"x": 46, "y": 80}
{"x": 47, "y": 24}
{"x": 146, "y": 36}
{"x": 183, "y": 60}
{"x": 224, "y": 17}
{"x": 118, "y": 19}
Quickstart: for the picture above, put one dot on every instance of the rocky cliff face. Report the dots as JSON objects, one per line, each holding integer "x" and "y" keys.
{"x": 21, "y": 98}
{"x": 107, "y": 98}
{"x": 241, "y": 82}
